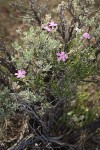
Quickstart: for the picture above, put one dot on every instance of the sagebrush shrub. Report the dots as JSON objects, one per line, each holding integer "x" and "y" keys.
{"x": 52, "y": 58}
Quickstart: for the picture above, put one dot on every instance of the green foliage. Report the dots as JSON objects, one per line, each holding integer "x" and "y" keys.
{"x": 35, "y": 51}
{"x": 86, "y": 106}
{"x": 35, "y": 46}
{"x": 7, "y": 104}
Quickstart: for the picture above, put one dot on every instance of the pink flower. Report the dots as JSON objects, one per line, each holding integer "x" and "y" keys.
{"x": 47, "y": 28}
{"x": 62, "y": 56}
{"x": 52, "y": 24}
{"x": 21, "y": 73}
{"x": 86, "y": 36}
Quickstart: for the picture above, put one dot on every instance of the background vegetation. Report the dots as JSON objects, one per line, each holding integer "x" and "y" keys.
{"x": 56, "y": 104}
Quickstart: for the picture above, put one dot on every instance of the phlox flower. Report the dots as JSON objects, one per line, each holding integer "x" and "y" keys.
{"x": 85, "y": 35}
{"x": 62, "y": 56}
{"x": 21, "y": 73}
{"x": 52, "y": 24}
{"x": 47, "y": 28}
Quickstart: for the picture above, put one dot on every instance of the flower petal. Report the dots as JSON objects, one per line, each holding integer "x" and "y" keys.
{"x": 58, "y": 54}
{"x": 23, "y": 71}
{"x": 58, "y": 58}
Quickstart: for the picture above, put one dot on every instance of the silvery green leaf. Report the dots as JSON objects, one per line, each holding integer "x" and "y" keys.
{"x": 47, "y": 68}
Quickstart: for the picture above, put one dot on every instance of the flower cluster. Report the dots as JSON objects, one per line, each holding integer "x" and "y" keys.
{"x": 60, "y": 55}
